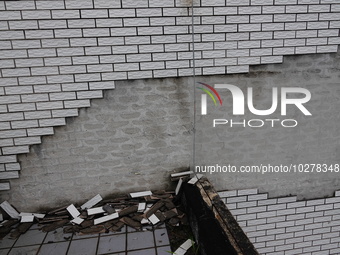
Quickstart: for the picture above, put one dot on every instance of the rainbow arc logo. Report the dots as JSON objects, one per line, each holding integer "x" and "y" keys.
{"x": 212, "y": 93}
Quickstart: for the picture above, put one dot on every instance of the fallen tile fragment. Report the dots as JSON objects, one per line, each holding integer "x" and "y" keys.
{"x": 176, "y": 176}
{"x": 184, "y": 247}
{"x": 106, "y": 218}
{"x": 144, "y": 221}
{"x": 179, "y": 185}
{"x": 153, "y": 219}
{"x": 10, "y": 210}
{"x": 27, "y": 218}
{"x": 141, "y": 194}
{"x": 195, "y": 179}
{"x": 92, "y": 202}
{"x": 73, "y": 211}
{"x": 96, "y": 210}
{"x": 1, "y": 217}
{"x": 141, "y": 207}
{"x": 77, "y": 220}
{"x": 36, "y": 215}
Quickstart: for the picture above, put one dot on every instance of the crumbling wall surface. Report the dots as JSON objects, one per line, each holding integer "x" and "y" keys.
{"x": 57, "y": 55}
{"x": 128, "y": 141}
{"x": 285, "y": 225}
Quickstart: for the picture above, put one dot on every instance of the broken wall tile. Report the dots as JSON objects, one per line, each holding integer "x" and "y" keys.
{"x": 10, "y": 210}
{"x": 141, "y": 194}
{"x": 92, "y": 202}
{"x": 106, "y": 218}
{"x": 96, "y": 210}
{"x": 73, "y": 211}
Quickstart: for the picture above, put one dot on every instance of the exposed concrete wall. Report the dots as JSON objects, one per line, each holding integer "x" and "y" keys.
{"x": 316, "y": 139}
{"x": 128, "y": 141}
{"x": 134, "y": 137}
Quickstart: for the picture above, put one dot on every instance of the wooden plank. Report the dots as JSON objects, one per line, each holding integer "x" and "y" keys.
{"x": 10, "y": 210}
{"x": 154, "y": 209}
{"x": 106, "y": 218}
{"x": 92, "y": 202}
{"x": 128, "y": 210}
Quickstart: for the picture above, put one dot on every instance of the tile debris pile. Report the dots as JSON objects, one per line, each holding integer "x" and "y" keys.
{"x": 137, "y": 210}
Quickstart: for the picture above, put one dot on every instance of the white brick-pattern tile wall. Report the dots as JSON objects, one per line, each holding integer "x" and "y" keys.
{"x": 283, "y": 226}
{"x": 57, "y": 55}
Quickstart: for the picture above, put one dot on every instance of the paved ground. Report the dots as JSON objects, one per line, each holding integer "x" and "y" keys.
{"x": 127, "y": 242}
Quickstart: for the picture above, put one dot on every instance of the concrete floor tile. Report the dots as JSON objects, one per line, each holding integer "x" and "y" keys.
{"x": 31, "y": 237}
{"x": 83, "y": 247}
{"x": 123, "y": 230}
{"x": 113, "y": 243}
{"x": 4, "y": 251}
{"x": 162, "y": 237}
{"x": 143, "y": 252}
{"x": 27, "y": 250}
{"x": 57, "y": 236}
{"x": 6, "y": 242}
{"x": 78, "y": 237}
{"x": 54, "y": 248}
{"x": 140, "y": 240}
{"x": 165, "y": 250}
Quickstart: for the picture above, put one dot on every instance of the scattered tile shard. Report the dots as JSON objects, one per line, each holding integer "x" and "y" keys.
{"x": 141, "y": 194}
{"x": 181, "y": 174}
{"x": 27, "y": 218}
{"x": 141, "y": 207}
{"x": 73, "y": 211}
{"x": 144, "y": 221}
{"x": 10, "y": 210}
{"x": 77, "y": 221}
{"x": 153, "y": 219}
{"x": 94, "y": 211}
{"x": 36, "y": 215}
{"x": 195, "y": 179}
{"x": 184, "y": 247}
{"x": 1, "y": 217}
{"x": 106, "y": 218}
{"x": 92, "y": 202}
{"x": 179, "y": 185}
